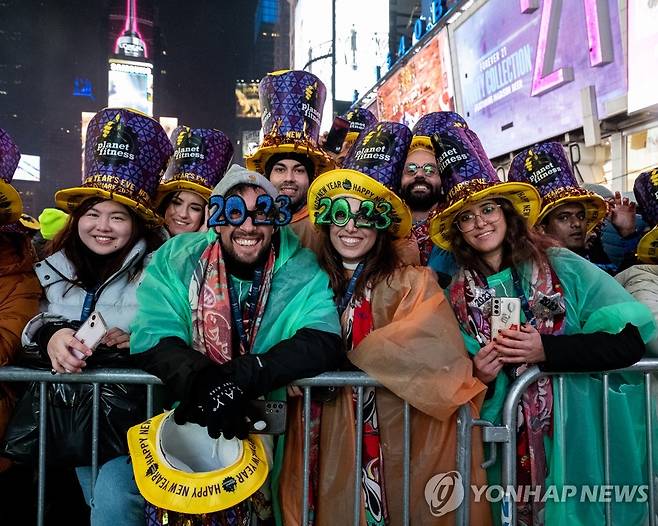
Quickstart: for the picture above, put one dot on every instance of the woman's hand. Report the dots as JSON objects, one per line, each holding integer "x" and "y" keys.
{"x": 522, "y": 346}
{"x": 487, "y": 363}
{"x": 61, "y": 348}
{"x": 118, "y": 337}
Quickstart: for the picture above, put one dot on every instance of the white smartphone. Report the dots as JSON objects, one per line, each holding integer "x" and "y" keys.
{"x": 505, "y": 314}
{"x": 91, "y": 332}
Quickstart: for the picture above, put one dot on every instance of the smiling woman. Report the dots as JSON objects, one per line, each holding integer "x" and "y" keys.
{"x": 398, "y": 327}
{"x": 574, "y": 318}
{"x": 96, "y": 261}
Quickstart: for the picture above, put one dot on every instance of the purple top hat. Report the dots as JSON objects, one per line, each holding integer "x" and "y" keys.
{"x": 125, "y": 154}
{"x": 380, "y": 152}
{"x": 433, "y": 123}
{"x": 467, "y": 175}
{"x": 291, "y": 113}
{"x": 646, "y": 194}
{"x": 360, "y": 119}
{"x": 11, "y": 205}
{"x": 547, "y": 168}
{"x": 201, "y": 157}
{"x": 372, "y": 171}
{"x": 292, "y": 104}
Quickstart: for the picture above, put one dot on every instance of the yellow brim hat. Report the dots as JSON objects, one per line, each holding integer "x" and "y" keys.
{"x": 320, "y": 159}
{"x": 647, "y": 248}
{"x": 70, "y": 198}
{"x": 421, "y": 141}
{"x": 166, "y": 459}
{"x": 180, "y": 185}
{"x": 523, "y": 197}
{"x": 343, "y": 181}
{"x": 596, "y": 208}
{"x": 11, "y": 204}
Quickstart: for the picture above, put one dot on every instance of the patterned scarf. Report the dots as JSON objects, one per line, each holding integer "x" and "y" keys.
{"x": 212, "y": 335}
{"x": 420, "y": 232}
{"x": 471, "y": 301}
{"x": 211, "y": 306}
{"x": 358, "y": 324}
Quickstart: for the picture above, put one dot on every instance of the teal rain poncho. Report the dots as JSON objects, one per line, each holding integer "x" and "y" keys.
{"x": 594, "y": 302}
{"x": 299, "y": 298}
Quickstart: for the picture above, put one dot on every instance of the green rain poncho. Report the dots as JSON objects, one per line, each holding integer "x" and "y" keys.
{"x": 594, "y": 302}
{"x": 299, "y": 297}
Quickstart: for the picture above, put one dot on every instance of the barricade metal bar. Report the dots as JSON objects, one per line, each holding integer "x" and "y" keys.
{"x": 339, "y": 379}
{"x": 649, "y": 415}
{"x": 96, "y": 405}
{"x": 406, "y": 451}
{"x": 464, "y": 430}
{"x": 12, "y": 373}
{"x": 606, "y": 447}
{"x": 357, "y": 456}
{"x": 646, "y": 366}
{"x": 307, "y": 453}
{"x": 41, "y": 492}
{"x": 149, "y": 401}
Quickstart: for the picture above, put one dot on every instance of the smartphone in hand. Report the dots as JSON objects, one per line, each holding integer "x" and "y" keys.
{"x": 91, "y": 332}
{"x": 271, "y": 418}
{"x": 337, "y": 134}
{"x": 505, "y": 314}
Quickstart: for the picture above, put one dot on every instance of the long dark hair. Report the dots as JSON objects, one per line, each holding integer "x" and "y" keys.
{"x": 380, "y": 263}
{"x": 519, "y": 245}
{"x": 90, "y": 270}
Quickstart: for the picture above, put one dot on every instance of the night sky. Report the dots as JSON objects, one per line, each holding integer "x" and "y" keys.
{"x": 47, "y": 46}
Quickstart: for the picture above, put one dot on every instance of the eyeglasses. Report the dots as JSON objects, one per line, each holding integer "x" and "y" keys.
{"x": 489, "y": 213}
{"x": 429, "y": 169}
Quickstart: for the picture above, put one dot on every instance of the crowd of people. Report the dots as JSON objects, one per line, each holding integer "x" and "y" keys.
{"x": 228, "y": 283}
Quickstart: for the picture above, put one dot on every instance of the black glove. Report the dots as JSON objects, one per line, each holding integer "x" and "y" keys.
{"x": 228, "y": 411}
{"x": 218, "y": 403}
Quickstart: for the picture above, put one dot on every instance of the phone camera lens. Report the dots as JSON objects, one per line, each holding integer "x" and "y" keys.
{"x": 91, "y": 324}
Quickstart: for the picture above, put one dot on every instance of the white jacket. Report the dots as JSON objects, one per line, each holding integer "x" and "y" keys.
{"x": 642, "y": 282}
{"x": 115, "y": 299}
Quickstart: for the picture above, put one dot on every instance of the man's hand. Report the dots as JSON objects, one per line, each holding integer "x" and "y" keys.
{"x": 623, "y": 215}
{"x": 522, "y": 346}
{"x": 218, "y": 403}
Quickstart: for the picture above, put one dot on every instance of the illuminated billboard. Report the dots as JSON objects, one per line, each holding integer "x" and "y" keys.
{"x": 423, "y": 85}
{"x": 642, "y": 55}
{"x": 246, "y": 100}
{"x": 130, "y": 85}
{"x": 361, "y": 45}
{"x": 522, "y": 70}
{"x": 29, "y": 168}
{"x": 250, "y": 141}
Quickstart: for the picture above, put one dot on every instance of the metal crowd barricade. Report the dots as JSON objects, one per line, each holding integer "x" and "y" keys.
{"x": 506, "y": 435}
{"x": 96, "y": 378}
{"x": 99, "y": 377}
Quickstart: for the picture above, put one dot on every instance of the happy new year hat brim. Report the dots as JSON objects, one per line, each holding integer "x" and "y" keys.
{"x": 596, "y": 208}
{"x": 126, "y": 153}
{"x": 647, "y": 248}
{"x": 11, "y": 204}
{"x": 546, "y": 167}
{"x": 346, "y": 182}
{"x": 467, "y": 176}
{"x": 523, "y": 197}
{"x": 167, "y": 479}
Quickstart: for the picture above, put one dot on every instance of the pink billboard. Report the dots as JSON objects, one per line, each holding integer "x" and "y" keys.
{"x": 642, "y": 54}
{"x": 522, "y": 65}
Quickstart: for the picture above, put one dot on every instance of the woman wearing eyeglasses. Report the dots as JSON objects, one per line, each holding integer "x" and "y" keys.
{"x": 574, "y": 317}
{"x": 398, "y": 328}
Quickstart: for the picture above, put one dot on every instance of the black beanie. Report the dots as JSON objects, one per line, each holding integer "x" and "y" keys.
{"x": 299, "y": 157}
